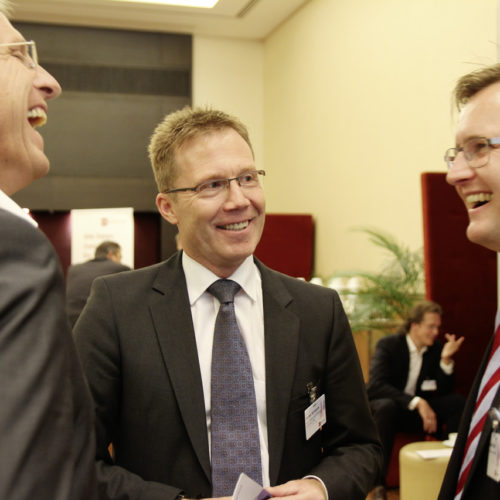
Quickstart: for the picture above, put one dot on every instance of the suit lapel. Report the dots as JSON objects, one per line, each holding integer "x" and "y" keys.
{"x": 405, "y": 360}
{"x": 281, "y": 331}
{"x": 174, "y": 328}
{"x": 484, "y": 441}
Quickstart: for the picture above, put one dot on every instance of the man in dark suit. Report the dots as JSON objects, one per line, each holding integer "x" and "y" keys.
{"x": 474, "y": 170}
{"x": 107, "y": 260}
{"x": 46, "y": 419}
{"x": 145, "y": 339}
{"x": 411, "y": 381}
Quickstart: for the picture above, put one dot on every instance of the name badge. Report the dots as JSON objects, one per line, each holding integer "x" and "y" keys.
{"x": 493, "y": 468}
{"x": 315, "y": 416}
{"x": 429, "y": 385}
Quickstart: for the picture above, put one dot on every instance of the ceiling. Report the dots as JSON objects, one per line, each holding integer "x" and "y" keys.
{"x": 249, "y": 19}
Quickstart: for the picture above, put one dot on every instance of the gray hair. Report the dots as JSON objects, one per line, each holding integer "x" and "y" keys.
{"x": 5, "y": 7}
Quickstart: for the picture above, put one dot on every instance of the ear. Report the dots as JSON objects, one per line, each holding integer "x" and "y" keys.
{"x": 165, "y": 207}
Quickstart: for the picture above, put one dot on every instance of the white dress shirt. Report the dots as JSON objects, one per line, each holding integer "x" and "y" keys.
{"x": 250, "y": 318}
{"x": 11, "y": 206}
{"x": 416, "y": 357}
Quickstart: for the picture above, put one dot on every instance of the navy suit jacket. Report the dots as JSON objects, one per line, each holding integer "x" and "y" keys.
{"x": 389, "y": 370}
{"x": 137, "y": 344}
{"x": 478, "y": 485}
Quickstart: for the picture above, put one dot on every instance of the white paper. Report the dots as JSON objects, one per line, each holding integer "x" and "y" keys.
{"x": 429, "y": 454}
{"x": 248, "y": 489}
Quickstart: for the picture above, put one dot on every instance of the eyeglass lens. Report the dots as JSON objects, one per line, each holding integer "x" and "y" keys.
{"x": 476, "y": 151}
{"x": 26, "y": 51}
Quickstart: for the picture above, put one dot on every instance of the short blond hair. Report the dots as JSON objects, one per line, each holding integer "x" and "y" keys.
{"x": 179, "y": 127}
{"x": 470, "y": 84}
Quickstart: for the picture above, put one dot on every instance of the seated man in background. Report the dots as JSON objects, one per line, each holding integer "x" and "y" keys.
{"x": 411, "y": 381}
{"x": 46, "y": 415}
{"x": 107, "y": 260}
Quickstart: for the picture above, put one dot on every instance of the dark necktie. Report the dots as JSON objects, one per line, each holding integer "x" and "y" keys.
{"x": 234, "y": 431}
{"x": 487, "y": 390}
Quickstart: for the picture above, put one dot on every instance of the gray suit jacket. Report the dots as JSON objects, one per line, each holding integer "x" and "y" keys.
{"x": 46, "y": 420}
{"x": 137, "y": 345}
{"x": 79, "y": 280}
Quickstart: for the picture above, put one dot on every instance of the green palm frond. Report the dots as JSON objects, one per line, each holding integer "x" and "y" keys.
{"x": 384, "y": 298}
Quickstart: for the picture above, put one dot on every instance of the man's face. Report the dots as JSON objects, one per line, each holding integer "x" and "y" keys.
{"x": 23, "y": 96}
{"x": 425, "y": 332}
{"x": 480, "y": 118}
{"x": 218, "y": 232}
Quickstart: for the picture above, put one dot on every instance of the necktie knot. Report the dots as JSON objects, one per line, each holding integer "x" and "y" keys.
{"x": 224, "y": 290}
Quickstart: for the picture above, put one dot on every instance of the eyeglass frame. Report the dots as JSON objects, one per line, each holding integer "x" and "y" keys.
{"x": 493, "y": 141}
{"x": 31, "y": 58}
{"x": 227, "y": 181}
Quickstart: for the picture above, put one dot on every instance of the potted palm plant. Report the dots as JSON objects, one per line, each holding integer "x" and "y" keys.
{"x": 382, "y": 299}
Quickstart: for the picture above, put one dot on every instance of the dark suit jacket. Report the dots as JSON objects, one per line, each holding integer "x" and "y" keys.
{"x": 389, "y": 371}
{"x": 478, "y": 485}
{"x": 46, "y": 418}
{"x": 79, "y": 280}
{"x": 137, "y": 344}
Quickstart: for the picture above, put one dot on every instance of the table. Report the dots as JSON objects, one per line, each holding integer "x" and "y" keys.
{"x": 421, "y": 478}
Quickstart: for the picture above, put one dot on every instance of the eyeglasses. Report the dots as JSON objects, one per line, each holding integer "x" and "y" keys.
{"x": 25, "y": 51}
{"x": 476, "y": 151}
{"x": 214, "y": 187}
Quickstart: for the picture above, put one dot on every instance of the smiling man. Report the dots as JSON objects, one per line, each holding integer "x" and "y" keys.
{"x": 46, "y": 420}
{"x": 411, "y": 382}
{"x": 474, "y": 171}
{"x": 193, "y": 386}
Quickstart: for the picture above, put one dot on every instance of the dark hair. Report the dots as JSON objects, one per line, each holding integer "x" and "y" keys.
{"x": 105, "y": 247}
{"x": 417, "y": 313}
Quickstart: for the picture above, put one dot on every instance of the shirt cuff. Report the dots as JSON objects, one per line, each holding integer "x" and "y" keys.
{"x": 413, "y": 403}
{"x": 321, "y": 481}
{"x": 448, "y": 369}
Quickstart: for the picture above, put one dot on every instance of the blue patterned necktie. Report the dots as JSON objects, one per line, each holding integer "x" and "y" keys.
{"x": 234, "y": 431}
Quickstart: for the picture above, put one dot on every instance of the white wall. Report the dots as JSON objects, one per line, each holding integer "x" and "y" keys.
{"x": 347, "y": 103}
{"x": 357, "y": 105}
{"x": 228, "y": 75}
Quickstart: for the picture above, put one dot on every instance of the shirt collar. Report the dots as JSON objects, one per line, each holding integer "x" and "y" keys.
{"x": 7, "y": 203}
{"x": 412, "y": 347}
{"x": 199, "y": 278}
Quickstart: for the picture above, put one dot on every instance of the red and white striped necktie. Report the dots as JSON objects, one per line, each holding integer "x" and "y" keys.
{"x": 486, "y": 393}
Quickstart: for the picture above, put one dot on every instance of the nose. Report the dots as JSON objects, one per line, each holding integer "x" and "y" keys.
{"x": 46, "y": 83}
{"x": 236, "y": 197}
{"x": 460, "y": 171}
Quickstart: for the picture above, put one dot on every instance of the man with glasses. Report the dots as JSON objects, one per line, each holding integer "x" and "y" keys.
{"x": 474, "y": 170}
{"x": 46, "y": 421}
{"x": 211, "y": 364}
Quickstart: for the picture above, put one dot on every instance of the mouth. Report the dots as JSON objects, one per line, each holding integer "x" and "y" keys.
{"x": 37, "y": 117}
{"x": 477, "y": 200}
{"x": 237, "y": 226}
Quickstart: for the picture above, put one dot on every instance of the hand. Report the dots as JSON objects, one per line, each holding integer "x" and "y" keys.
{"x": 307, "y": 489}
{"x": 451, "y": 347}
{"x": 429, "y": 419}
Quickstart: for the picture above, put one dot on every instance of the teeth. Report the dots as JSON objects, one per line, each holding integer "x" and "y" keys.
{"x": 473, "y": 199}
{"x": 236, "y": 227}
{"x": 37, "y": 117}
